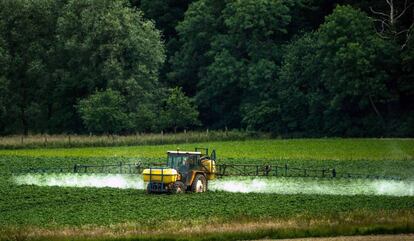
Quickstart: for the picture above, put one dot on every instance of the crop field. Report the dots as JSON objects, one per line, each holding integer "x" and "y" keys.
{"x": 291, "y": 149}
{"x": 70, "y": 207}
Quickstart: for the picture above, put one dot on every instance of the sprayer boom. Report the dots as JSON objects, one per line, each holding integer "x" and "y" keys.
{"x": 222, "y": 170}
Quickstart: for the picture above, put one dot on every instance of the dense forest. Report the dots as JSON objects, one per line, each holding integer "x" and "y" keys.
{"x": 289, "y": 67}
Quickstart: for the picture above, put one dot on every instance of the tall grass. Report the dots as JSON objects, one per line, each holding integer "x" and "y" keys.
{"x": 55, "y": 141}
{"x": 356, "y": 223}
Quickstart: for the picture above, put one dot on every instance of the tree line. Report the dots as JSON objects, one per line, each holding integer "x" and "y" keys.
{"x": 77, "y": 66}
{"x": 290, "y": 67}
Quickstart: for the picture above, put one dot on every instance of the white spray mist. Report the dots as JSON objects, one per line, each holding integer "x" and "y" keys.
{"x": 82, "y": 180}
{"x": 315, "y": 186}
{"x": 278, "y": 185}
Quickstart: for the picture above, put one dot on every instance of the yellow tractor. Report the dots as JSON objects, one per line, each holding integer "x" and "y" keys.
{"x": 186, "y": 171}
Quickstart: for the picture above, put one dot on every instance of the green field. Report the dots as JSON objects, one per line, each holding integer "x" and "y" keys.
{"x": 68, "y": 212}
{"x": 293, "y": 149}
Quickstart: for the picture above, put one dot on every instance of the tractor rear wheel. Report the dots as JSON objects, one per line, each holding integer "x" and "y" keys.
{"x": 178, "y": 187}
{"x": 199, "y": 184}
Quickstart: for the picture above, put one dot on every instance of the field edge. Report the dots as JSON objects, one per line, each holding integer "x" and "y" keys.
{"x": 343, "y": 225}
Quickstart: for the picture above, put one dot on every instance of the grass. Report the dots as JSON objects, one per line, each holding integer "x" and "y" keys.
{"x": 70, "y": 141}
{"x": 236, "y": 230}
{"x": 58, "y": 213}
{"x": 291, "y": 149}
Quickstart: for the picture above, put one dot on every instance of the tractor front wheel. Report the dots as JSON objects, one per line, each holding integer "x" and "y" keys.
{"x": 199, "y": 184}
{"x": 178, "y": 187}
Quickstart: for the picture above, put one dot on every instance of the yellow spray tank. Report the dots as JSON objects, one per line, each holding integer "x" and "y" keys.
{"x": 210, "y": 167}
{"x": 164, "y": 175}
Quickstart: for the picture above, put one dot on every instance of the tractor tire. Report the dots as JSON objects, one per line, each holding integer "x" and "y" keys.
{"x": 178, "y": 187}
{"x": 199, "y": 184}
{"x": 148, "y": 189}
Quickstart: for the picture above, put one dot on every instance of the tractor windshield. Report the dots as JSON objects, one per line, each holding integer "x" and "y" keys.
{"x": 182, "y": 162}
{"x": 177, "y": 161}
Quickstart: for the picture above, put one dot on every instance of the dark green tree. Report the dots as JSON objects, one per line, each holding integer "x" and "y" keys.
{"x": 27, "y": 38}
{"x": 104, "y": 44}
{"x": 201, "y": 23}
{"x": 354, "y": 59}
{"x": 230, "y": 50}
{"x": 4, "y": 86}
{"x": 404, "y": 116}
{"x": 296, "y": 100}
{"x": 336, "y": 81}
{"x": 166, "y": 14}
{"x": 145, "y": 116}
{"x": 266, "y": 65}
{"x": 179, "y": 111}
{"x": 104, "y": 112}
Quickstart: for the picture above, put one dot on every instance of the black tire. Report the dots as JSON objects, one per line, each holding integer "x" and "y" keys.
{"x": 178, "y": 187}
{"x": 148, "y": 188}
{"x": 199, "y": 184}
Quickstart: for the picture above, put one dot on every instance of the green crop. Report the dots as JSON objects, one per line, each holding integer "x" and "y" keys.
{"x": 293, "y": 149}
{"x": 56, "y": 207}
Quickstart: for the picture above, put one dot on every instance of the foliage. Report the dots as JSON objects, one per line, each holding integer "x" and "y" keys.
{"x": 61, "y": 51}
{"x": 291, "y": 67}
{"x": 25, "y": 54}
{"x": 231, "y": 52}
{"x": 354, "y": 57}
{"x": 4, "y": 60}
{"x": 123, "y": 52}
{"x": 166, "y": 14}
{"x": 243, "y": 76}
{"x": 4, "y": 83}
{"x": 296, "y": 100}
{"x": 103, "y": 112}
{"x": 332, "y": 81}
{"x": 200, "y": 24}
{"x": 179, "y": 111}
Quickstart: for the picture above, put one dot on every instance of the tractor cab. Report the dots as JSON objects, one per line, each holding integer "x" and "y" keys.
{"x": 183, "y": 161}
{"x": 186, "y": 170}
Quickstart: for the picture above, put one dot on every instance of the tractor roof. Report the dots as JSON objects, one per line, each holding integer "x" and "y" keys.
{"x": 185, "y": 152}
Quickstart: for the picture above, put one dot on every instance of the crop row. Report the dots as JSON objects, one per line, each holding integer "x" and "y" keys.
{"x": 33, "y": 205}
{"x": 51, "y": 206}
{"x": 292, "y": 149}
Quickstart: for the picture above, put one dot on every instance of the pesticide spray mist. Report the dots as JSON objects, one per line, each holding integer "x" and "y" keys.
{"x": 240, "y": 184}
{"x": 82, "y": 180}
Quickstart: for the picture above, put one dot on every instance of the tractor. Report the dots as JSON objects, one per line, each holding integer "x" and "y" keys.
{"x": 186, "y": 171}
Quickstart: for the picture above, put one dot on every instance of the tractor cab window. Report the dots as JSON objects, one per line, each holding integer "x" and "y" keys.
{"x": 177, "y": 161}
{"x": 183, "y": 162}
{"x": 192, "y": 161}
